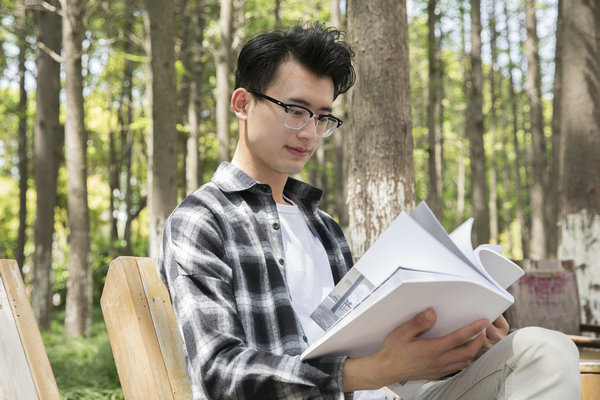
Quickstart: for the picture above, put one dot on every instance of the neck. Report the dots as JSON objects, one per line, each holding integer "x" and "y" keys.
{"x": 275, "y": 180}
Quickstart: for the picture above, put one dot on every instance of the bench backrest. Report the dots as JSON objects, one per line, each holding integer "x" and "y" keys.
{"x": 25, "y": 371}
{"x": 143, "y": 334}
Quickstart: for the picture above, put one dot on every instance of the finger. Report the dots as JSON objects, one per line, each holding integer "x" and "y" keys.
{"x": 501, "y": 323}
{"x": 462, "y": 335}
{"x": 421, "y": 323}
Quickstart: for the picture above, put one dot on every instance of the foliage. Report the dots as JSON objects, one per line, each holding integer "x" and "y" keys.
{"x": 84, "y": 368}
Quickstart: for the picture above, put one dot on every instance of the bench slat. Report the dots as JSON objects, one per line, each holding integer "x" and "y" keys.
{"x": 142, "y": 331}
{"x": 25, "y": 371}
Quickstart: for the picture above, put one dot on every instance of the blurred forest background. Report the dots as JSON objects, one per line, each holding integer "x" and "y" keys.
{"x": 112, "y": 111}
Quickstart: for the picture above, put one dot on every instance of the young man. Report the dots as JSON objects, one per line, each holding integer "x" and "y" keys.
{"x": 248, "y": 256}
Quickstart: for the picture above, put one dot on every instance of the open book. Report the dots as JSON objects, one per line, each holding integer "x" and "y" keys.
{"x": 412, "y": 266}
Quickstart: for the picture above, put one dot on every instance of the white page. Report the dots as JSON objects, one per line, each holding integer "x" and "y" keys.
{"x": 457, "y": 304}
{"x": 406, "y": 244}
{"x": 504, "y": 271}
{"x": 423, "y": 215}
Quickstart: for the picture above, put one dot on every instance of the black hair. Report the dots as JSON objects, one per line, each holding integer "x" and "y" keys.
{"x": 319, "y": 49}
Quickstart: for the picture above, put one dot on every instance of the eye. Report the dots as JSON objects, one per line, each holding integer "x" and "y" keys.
{"x": 297, "y": 112}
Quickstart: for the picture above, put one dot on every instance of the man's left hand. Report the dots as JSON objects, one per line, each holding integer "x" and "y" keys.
{"x": 493, "y": 334}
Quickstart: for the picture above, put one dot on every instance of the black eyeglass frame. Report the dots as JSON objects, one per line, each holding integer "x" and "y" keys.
{"x": 287, "y": 107}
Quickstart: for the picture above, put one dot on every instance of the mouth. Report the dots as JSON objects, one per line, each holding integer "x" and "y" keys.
{"x": 298, "y": 151}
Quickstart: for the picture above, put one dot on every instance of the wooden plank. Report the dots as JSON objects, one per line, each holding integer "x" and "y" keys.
{"x": 16, "y": 381}
{"x": 28, "y": 333}
{"x": 165, "y": 326}
{"x": 131, "y": 332}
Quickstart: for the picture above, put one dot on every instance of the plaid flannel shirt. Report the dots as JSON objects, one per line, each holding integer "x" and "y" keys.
{"x": 222, "y": 260}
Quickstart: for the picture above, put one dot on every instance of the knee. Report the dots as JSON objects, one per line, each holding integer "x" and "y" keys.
{"x": 549, "y": 351}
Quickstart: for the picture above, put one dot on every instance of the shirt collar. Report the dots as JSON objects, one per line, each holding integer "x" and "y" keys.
{"x": 230, "y": 178}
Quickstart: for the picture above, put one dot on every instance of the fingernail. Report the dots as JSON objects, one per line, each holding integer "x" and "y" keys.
{"x": 428, "y": 314}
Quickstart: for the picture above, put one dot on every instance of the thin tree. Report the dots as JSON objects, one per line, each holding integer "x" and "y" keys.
{"x": 435, "y": 193}
{"x": 538, "y": 228}
{"x": 493, "y": 201}
{"x": 79, "y": 284}
{"x": 48, "y": 141}
{"x": 163, "y": 149}
{"x": 514, "y": 102}
{"x": 553, "y": 190}
{"x": 461, "y": 175}
{"x": 339, "y": 141}
{"x": 479, "y": 197}
{"x": 580, "y": 148}
{"x": 194, "y": 66}
{"x": 23, "y": 142}
{"x": 381, "y": 173}
{"x": 223, "y": 95}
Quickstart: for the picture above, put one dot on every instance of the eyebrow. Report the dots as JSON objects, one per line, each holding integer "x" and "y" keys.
{"x": 302, "y": 102}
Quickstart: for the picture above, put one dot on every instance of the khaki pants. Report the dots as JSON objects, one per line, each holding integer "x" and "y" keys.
{"x": 531, "y": 363}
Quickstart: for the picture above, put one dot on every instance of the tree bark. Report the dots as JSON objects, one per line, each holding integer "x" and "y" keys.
{"x": 223, "y": 95}
{"x": 164, "y": 134}
{"x": 79, "y": 283}
{"x": 538, "y": 228}
{"x": 553, "y": 193}
{"x": 580, "y": 149}
{"x": 435, "y": 193}
{"x": 515, "y": 129}
{"x": 381, "y": 175}
{"x": 48, "y": 140}
{"x": 23, "y": 142}
{"x": 195, "y": 67}
{"x": 493, "y": 202}
{"x": 339, "y": 139}
{"x": 479, "y": 196}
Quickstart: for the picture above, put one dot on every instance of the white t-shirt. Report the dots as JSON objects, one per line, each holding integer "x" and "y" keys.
{"x": 308, "y": 275}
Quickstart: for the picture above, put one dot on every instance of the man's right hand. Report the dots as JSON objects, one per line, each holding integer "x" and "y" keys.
{"x": 405, "y": 356}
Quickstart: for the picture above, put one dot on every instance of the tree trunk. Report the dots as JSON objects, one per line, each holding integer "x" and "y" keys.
{"x": 223, "y": 95}
{"x": 339, "y": 142}
{"x": 195, "y": 67}
{"x": 461, "y": 178}
{"x": 381, "y": 173}
{"x": 48, "y": 140}
{"x": 126, "y": 118}
{"x": 79, "y": 283}
{"x": 479, "y": 197}
{"x": 435, "y": 193}
{"x": 553, "y": 193}
{"x": 164, "y": 117}
{"x": 515, "y": 128}
{"x": 493, "y": 203}
{"x": 23, "y": 142}
{"x": 538, "y": 228}
{"x": 580, "y": 149}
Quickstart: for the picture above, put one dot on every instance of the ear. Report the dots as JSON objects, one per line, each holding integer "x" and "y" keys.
{"x": 240, "y": 102}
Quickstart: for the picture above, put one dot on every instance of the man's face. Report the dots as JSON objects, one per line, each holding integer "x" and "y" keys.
{"x": 272, "y": 149}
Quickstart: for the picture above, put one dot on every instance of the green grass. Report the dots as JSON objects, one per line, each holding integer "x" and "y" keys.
{"x": 84, "y": 368}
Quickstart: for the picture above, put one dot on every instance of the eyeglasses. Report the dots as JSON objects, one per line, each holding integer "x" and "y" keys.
{"x": 297, "y": 117}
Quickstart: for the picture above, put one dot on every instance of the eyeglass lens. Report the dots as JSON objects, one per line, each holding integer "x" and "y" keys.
{"x": 297, "y": 118}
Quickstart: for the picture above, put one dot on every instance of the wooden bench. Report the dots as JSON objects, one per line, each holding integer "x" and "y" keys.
{"x": 25, "y": 371}
{"x": 148, "y": 348}
{"x": 145, "y": 341}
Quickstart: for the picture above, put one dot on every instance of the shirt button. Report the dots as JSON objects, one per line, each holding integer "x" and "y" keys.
{"x": 281, "y": 261}
{"x": 276, "y": 225}
{"x": 265, "y": 189}
{"x": 305, "y": 338}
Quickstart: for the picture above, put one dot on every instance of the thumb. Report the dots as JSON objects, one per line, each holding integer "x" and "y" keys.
{"x": 421, "y": 323}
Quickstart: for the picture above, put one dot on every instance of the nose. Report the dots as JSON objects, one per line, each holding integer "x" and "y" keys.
{"x": 309, "y": 131}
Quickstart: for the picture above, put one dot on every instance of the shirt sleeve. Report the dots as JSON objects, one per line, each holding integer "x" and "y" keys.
{"x": 220, "y": 364}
